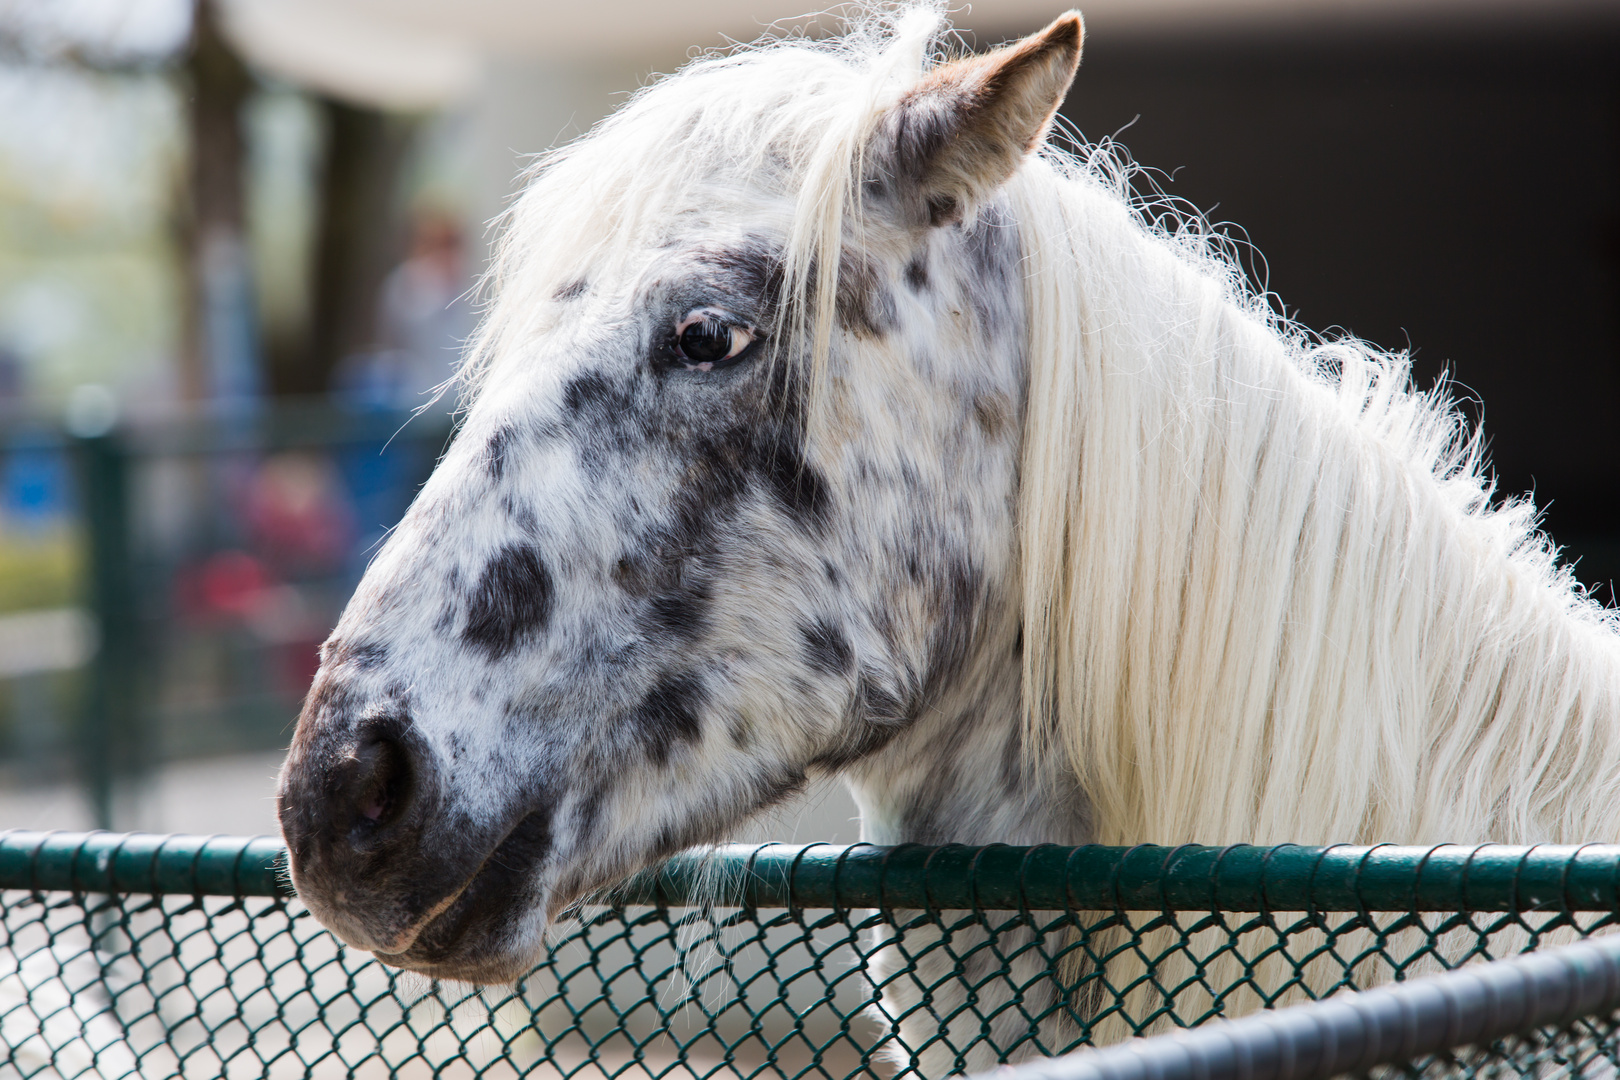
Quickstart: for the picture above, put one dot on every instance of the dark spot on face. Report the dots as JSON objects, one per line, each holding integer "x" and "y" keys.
{"x": 677, "y": 588}
{"x": 797, "y": 486}
{"x": 865, "y": 306}
{"x": 944, "y": 210}
{"x": 670, "y": 714}
{"x": 603, "y": 421}
{"x": 875, "y": 705}
{"x": 994, "y": 256}
{"x": 757, "y": 449}
{"x": 573, "y": 290}
{"x": 523, "y": 517}
{"x": 364, "y": 655}
{"x": 917, "y": 274}
{"x": 511, "y": 601}
{"x": 725, "y": 466}
{"x": 741, "y": 732}
{"x": 772, "y": 451}
{"x": 990, "y": 412}
{"x": 627, "y": 576}
{"x": 956, "y": 620}
{"x": 595, "y": 396}
{"x": 495, "y": 451}
{"x": 753, "y": 268}
{"x": 877, "y": 717}
{"x": 682, "y": 611}
{"x": 773, "y": 790}
{"x": 826, "y": 649}
{"x": 588, "y": 818}
{"x": 520, "y": 513}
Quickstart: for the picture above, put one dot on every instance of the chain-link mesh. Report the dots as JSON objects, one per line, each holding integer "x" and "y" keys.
{"x": 1528, "y": 1015}
{"x": 151, "y": 956}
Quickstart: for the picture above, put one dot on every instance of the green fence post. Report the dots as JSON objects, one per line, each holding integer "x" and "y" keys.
{"x": 109, "y": 746}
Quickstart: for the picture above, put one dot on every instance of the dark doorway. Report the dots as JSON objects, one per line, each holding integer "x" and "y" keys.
{"x": 1460, "y": 197}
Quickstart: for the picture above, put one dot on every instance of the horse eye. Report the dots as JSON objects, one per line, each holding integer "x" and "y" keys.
{"x": 707, "y": 337}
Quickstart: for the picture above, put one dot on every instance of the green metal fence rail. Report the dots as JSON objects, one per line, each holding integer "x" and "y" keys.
{"x": 1388, "y": 877}
{"x": 1356, "y": 1033}
{"x": 132, "y": 955}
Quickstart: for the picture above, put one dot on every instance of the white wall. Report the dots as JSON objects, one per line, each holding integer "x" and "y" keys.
{"x": 525, "y": 106}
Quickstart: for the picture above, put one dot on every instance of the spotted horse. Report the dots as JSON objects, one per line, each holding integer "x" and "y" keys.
{"x": 829, "y": 419}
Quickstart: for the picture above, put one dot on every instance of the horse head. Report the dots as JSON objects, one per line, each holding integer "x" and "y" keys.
{"x": 733, "y": 503}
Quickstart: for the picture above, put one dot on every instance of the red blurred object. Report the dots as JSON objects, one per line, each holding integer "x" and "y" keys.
{"x": 299, "y": 515}
{"x": 231, "y": 583}
{"x": 297, "y": 664}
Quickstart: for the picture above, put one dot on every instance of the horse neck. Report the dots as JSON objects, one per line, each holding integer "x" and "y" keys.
{"x": 1295, "y": 621}
{"x": 959, "y": 774}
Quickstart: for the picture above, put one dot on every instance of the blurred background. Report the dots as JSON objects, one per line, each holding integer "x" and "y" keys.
{"x": 236, "y": 240}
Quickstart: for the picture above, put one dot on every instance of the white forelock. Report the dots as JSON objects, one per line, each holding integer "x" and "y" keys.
{"x": 788, "y": 116}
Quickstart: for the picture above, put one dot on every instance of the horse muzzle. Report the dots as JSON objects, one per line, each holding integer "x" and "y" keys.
{"x": 382, "y": 856}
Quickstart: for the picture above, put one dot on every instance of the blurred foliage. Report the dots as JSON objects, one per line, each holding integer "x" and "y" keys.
{"x": 44, "y": 570}
{"x": 89, "y": 163}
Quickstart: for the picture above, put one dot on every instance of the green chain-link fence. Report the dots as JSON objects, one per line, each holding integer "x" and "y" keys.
{"x": 179, "y": 956}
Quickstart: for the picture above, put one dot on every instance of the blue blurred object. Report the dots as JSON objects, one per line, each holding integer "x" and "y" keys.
{"x": 382, "y": 480}
{"x": 230, "y": 325}
{"x": 36, "y": 483}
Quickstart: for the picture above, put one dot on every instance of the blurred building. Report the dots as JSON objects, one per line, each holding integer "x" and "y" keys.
{"x": 1443, "y": 178}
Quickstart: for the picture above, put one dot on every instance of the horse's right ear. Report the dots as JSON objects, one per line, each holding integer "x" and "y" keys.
{"x": 966, "y": 126}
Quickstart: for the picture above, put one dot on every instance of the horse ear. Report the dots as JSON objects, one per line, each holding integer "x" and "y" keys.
{"x": 965, "y": 128}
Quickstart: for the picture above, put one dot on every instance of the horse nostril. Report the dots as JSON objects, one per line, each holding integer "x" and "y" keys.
{"x": 382, "y": 780}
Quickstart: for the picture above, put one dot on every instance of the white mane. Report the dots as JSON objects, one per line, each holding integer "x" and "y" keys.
{"x": 1267, "y": 597}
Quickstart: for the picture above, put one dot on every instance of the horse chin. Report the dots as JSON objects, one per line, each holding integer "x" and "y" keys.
{"x": 482, "y": 969}
{"x": 491, "y": 935}
{"x": 493, "y": 931}
{"x": 480, "y": 939}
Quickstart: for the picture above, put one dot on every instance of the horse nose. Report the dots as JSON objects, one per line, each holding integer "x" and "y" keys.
{"x": 357, "y": 805}
{"x": 351, "y": 789}
{"x": 379, "y": 789}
